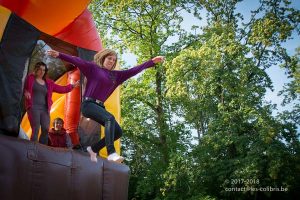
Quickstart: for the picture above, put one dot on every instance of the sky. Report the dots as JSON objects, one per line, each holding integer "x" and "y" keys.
{"x": 277, "y": 74}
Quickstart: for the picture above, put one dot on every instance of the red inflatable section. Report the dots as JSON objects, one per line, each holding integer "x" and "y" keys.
{"x": 72, "y": 108}
{"x": 16, "y": 6}
{"x": 75, "y": 27}
{"x": 82, "y": 33}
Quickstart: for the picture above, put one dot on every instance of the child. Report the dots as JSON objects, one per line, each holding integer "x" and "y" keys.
{"x": 57, "y": 136}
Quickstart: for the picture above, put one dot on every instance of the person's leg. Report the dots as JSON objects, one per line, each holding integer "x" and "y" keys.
{"x": 100, "y": 115}
{"x": 34, "y": 120}
{"x": 45, "y": 121}
{"x": 101, "y": 144}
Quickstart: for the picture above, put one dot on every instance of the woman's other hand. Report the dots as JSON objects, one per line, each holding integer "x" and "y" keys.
{"x": 158, "y": 59}
{"x": 27, "y": 95}
{"x": 53, "y": 53}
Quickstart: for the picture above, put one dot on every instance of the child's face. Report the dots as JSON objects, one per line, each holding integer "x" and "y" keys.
{"x": 58, "y": 125}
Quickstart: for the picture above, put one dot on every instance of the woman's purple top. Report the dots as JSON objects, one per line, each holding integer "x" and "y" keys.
{"x": 102, "y": 82}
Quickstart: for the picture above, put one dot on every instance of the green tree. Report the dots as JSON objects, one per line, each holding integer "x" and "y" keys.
{"x": 223, "y": 75}
{"x": 291, "y": 92}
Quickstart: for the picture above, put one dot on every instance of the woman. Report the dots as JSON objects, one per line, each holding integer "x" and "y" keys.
{"x": 38, "y": 100}
{"x": 102, "y": 80}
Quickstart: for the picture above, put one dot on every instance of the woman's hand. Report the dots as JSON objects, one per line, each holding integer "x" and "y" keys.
{"x": 76, "y": 84}
{"x": 158, "y": 59}
{"x": 27, "y": 95}
{"x": 53, "y": 53}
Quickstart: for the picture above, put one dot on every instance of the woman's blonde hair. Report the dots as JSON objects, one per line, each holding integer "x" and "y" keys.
{"x": 101, "y": 55}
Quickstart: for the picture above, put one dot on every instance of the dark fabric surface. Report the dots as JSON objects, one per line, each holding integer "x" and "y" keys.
{"x": 17, "y": 43}
{"x": 29, "y": 170}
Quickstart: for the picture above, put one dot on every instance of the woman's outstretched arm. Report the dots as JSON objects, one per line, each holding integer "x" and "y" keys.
{"x": 126, "y": 74}
{"x": 84, "y": 66}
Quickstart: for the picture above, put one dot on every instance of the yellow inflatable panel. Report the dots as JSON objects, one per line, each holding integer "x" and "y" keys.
{"x": 4, "y": 16}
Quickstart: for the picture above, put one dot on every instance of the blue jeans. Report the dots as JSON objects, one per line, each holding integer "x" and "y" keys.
{"x": 113, "y": 131}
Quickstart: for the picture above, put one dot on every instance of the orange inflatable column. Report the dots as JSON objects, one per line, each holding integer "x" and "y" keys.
{"x": 72, "y": 107}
